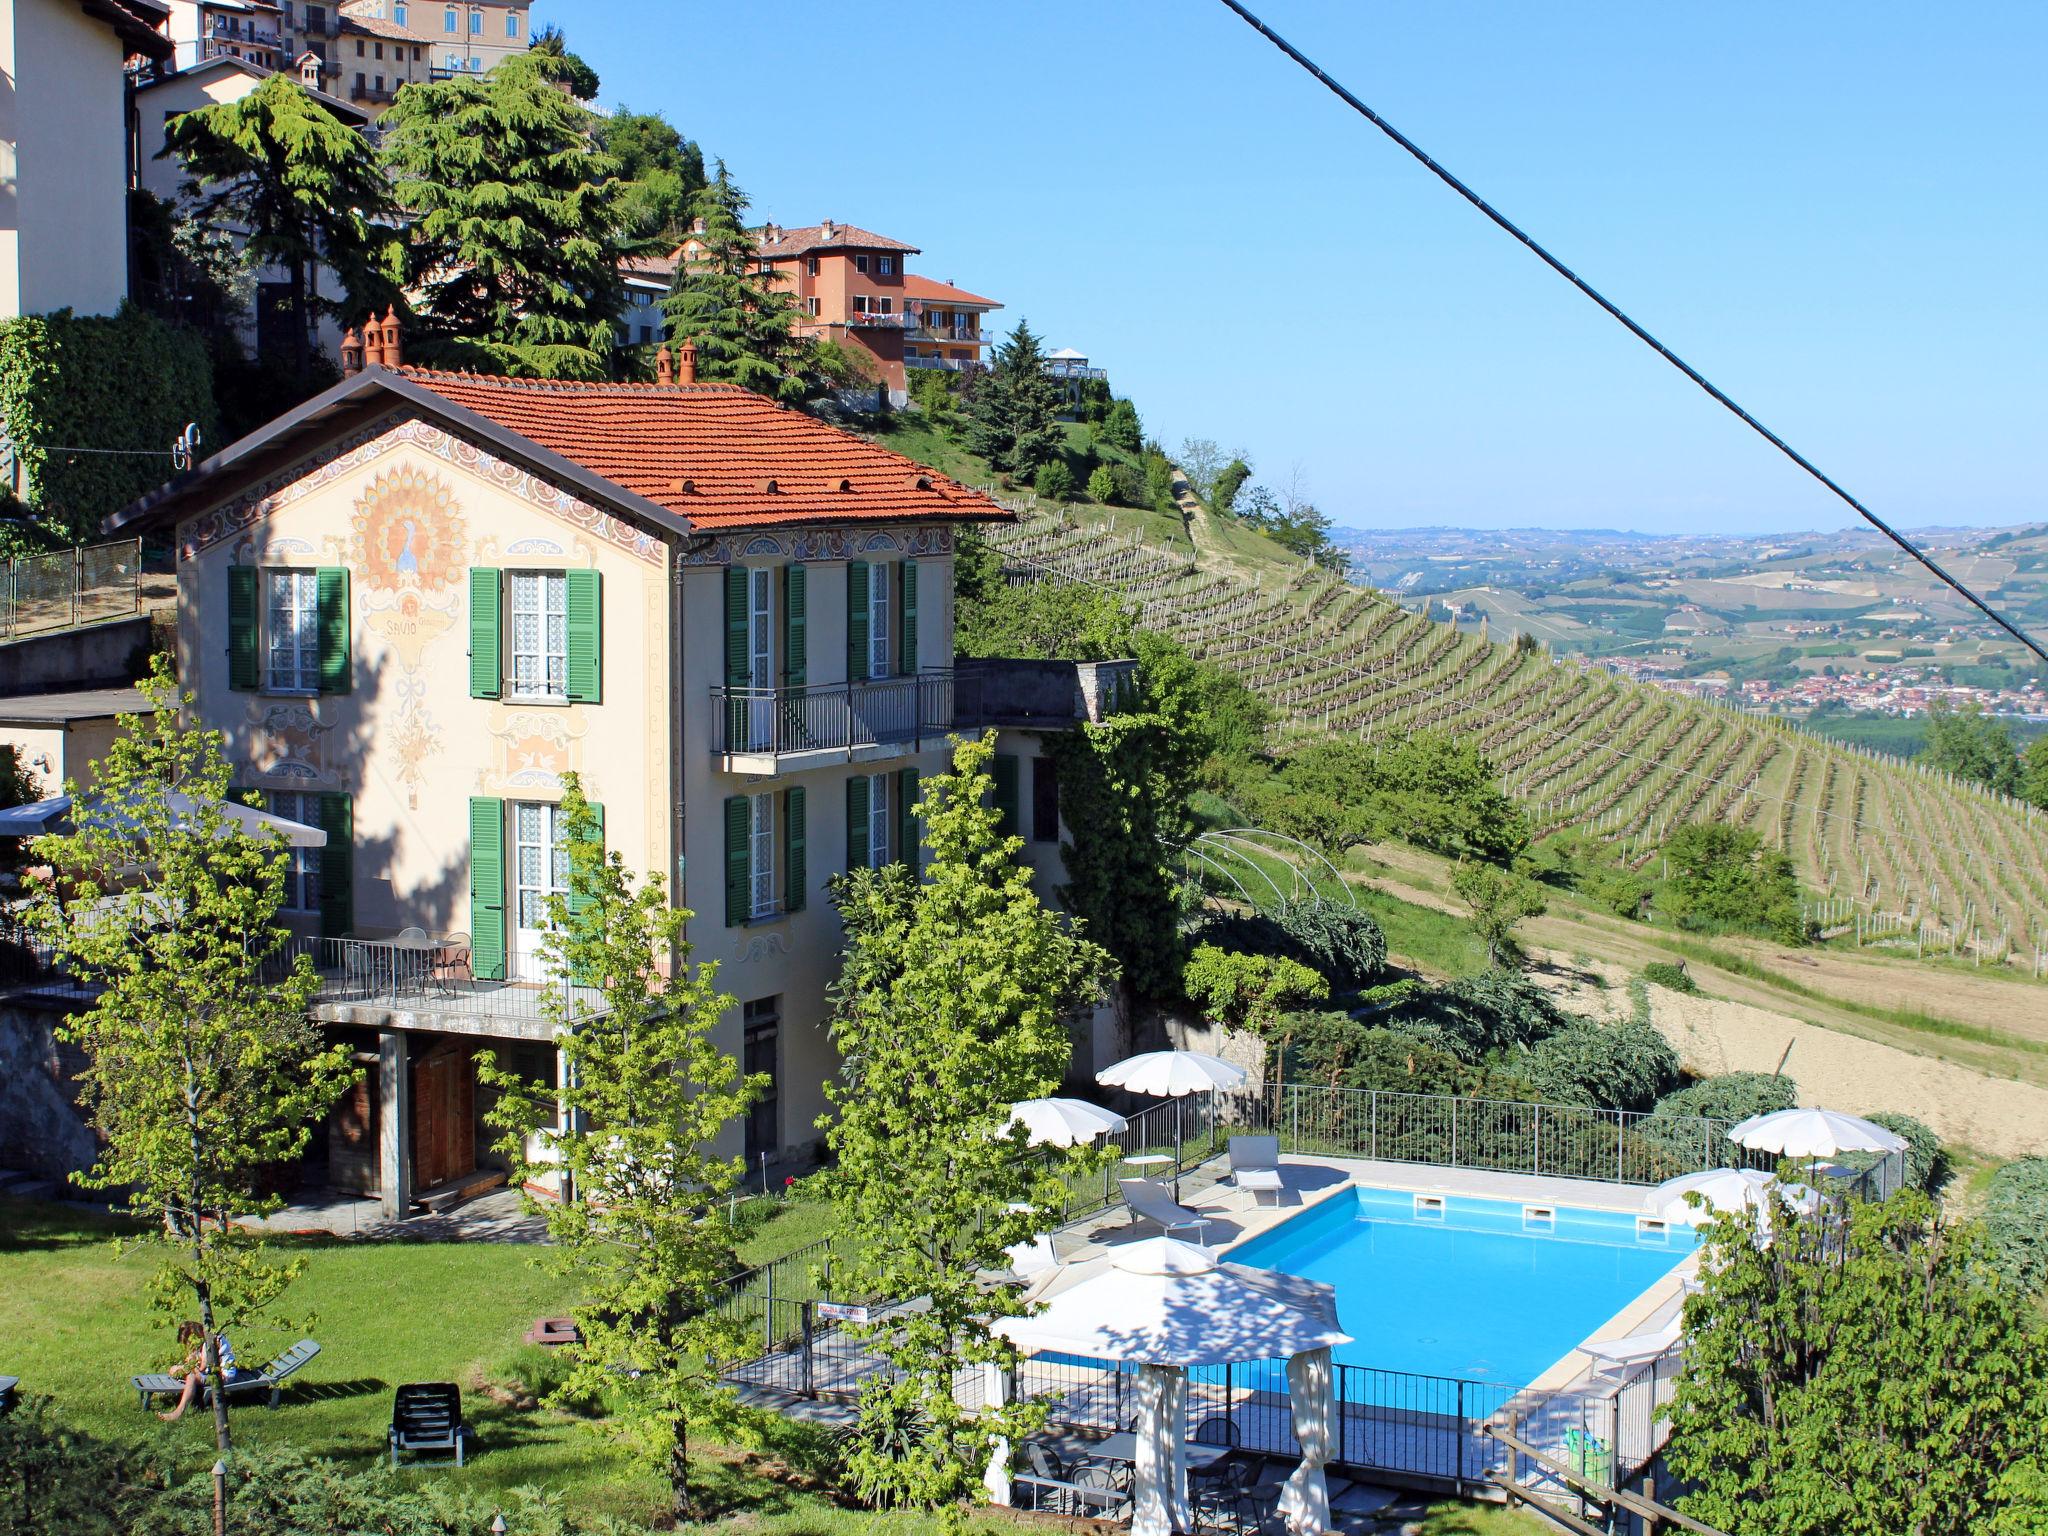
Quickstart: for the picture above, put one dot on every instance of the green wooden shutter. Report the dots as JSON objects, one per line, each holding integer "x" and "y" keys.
{"x": 906, "y": 817}
{"x": 796, "y": 872}
{"x": 578, "y": 900}
{"x": 1004, "y": 771}
{"x": 857, "y": 842}
{"x": 796, "y": 585}
{"x": 487, "y": 888}
{"x": 738, "y": 865}
{"x": 907, "y": 654}
{"x": 244, "y": 651}
{"x": 486, "y": 626}
{"x": 337, "y": 865}
{"x": 857, "y": 620}
{"x": 583, "y": 608}
{"x": 337, "y": 669}
{"x": 737, "y": 673}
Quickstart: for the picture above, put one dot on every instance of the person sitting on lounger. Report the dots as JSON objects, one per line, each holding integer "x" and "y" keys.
{"x": 192, "y": 1336}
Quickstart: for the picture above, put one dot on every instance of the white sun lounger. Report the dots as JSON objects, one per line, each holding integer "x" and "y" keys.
{"x": 1612, "y": 1356}
{"x": 1255, "y": 1165}
{"x": 1151, "y": 1200}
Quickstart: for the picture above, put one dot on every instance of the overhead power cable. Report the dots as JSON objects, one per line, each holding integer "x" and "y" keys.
{"x": 1719, "y": 395}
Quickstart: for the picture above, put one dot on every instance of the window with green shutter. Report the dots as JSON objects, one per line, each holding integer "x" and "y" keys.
{"x": 578, "y": 900}
{"x": 583, "y": 607}
{"x": 1003, "y": 769}
{"x": 857, "y": 665}
{"x": 337, "y": 866}
{"x": 486, "y": 626}
{"x": 336, "y": 665}
{"x": 487, "y": 888}
{"x": 244, "y": 631}
{"x": 906, "y": 818}
{"x": 796, "y": 871}
{"x": 738, "y": 866}
{"x": 796, "y": 586}
{"x": 906, "y": 661}
{"x": 858, "y": 837}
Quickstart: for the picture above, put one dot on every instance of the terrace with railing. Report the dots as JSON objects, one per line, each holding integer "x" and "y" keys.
{"x": 773, "y": 730}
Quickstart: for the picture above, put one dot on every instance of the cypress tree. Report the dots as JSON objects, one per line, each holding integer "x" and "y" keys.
{"x": 1013, "y": 416}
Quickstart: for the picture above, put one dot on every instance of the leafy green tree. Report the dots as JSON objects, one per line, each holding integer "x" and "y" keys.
{"x": 1497, "y": 900}
{"x": 742, "y": 322}
{"x": 1336, "y": 1050}
{"x": 204, "y": 1069}
{"x": 1201, "y": 461}
{"x": 1102, "y": 485}
{"x": 2034, "y": 774}
{"x": 1968, "y": 743}
{"x": 1854, "y": 1374}
{"x": 951, "y": 1006}
{"x": 558, "y": 64}
{"x": 296, "y": 188}
{"x": 1230, "y": 480}
{"x": 1121, "y": 427}
{"x": 1054, "y": 481}
{"x": 515, "y": 224}
{"x": 1052, "y": 620}
{"x": 1724, "y": 877}
{"x": 1208, "y": 709}
{"x": 1013, "y": 417}
{"x": 661, "y": 171}
{"x": 644, "y": 1095}
{"x": 1254, "y": 993}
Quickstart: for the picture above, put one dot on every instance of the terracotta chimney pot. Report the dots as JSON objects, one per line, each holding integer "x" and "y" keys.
{"x": 351, "y": 352}
{"x": 664, "y": 366}
{"x": 687, "y": 373}
{"x": 393, "y": 353}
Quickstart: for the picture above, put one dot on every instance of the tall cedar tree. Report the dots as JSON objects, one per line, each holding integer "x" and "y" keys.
{"x": 301, "y": 190}
{"x": 513, "y": 221}
{"x": 951, "y": 1006}
{"x": 204, "y": 1071}
{"x": 1013, "y": 416}
{"x": 742, "y": 322}
{"x": 1858, "y": 1374}
{"x": 644, "y": 1094}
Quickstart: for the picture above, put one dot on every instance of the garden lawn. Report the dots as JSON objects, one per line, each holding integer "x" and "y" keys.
{"x": 384, "y": 1313}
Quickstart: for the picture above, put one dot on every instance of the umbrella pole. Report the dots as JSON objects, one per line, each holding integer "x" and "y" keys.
{"x": 1178, "y": 1106}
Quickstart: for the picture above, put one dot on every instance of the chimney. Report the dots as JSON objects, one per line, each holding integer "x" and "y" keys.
{"x": 664, "y": 366}
{"x": 373, "y": 343}
{"x": 393, "y": 353}
{"x": 687, "y": 374}
{"x": 351, "y": 353}
{"x": 828, "y": 229}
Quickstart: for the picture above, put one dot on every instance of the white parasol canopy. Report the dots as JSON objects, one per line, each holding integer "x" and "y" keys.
{"x": 1814, "y": 1133}
{"x": 1723, "y": 1189}
{"x": 1172, "y": 1074}
{"x": 1164, "y": 1305}
{"x": 1064, "y": 1122}
{"x": 42, "y": 816}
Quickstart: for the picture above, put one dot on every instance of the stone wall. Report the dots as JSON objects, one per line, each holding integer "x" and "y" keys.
{"x": 41, "y": 1128}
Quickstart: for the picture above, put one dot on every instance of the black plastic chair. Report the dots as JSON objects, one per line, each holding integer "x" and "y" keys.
{"x": 427, "y": 1416}
{"x": 1217, "y": 1429}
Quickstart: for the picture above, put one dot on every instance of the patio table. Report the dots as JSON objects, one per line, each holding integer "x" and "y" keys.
{"x": 1123, "y": 1446}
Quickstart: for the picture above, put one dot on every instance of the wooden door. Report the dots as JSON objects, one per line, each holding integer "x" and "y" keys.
{"x": 443, "y": 1113}
{"x": 352, "y": 1138}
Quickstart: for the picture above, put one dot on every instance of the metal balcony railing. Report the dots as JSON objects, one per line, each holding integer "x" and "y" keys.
{"x": 906, "y": 711}
{"x": 437, "y": 973}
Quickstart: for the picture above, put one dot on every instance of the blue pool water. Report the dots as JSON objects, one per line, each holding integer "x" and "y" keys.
{"x": 1476, "y": 1291}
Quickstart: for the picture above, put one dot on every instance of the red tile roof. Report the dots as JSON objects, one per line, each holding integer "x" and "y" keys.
{"x": 723, "y": 443}
{"x": 934, "y": 291}
{"x": 812, "y": 237}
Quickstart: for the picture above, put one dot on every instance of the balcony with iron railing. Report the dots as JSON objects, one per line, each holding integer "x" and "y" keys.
{"x": 873, "y": 320}
{"x": 780, "y": 730}
{"x": 945, "y": 364}
{"x": 932, "y": 330}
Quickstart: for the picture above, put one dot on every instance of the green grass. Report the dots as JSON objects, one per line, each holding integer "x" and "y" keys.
{"x": 1431, "y": 940}
{"x": 795, "y": 1222}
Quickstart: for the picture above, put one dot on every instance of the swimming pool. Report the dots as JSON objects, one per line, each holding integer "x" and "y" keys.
{"x": 1463, "y": 1287}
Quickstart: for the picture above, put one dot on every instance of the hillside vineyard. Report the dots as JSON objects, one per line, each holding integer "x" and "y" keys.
{"x": 1900, "y": 854}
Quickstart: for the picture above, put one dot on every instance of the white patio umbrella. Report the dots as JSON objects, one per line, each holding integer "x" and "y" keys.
{"x": 1064, "y": 1122}
{"x": 42, "y": 816}
{"x": 1164, "y": 1305}
{"x": 1723, "y": 1189}
{"x": 1173, "y": 1075}
{"x": 1814, "y": 1133}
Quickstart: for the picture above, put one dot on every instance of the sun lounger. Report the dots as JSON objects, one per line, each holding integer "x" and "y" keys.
{"x": 269, "y": 1381}
{"x": 1255, "y": 1165}
{"x": 1613, "y": 1356}
{"x": 1148, "y": 1198}
{"x": 427, "y": 1416}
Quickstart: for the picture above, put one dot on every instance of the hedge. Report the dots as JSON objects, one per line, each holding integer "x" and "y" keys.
{"x": 126, "y": 381}
{"x": 2016, "y": 1216}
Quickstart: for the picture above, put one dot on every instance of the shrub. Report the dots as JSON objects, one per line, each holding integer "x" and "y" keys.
{"x": 1724, "y": 877}
{"x": 2016, "y": 1216}
{"x": 1616, "y": 1066}
{"x": 1926, "y": 1164}
{"x": 1054, "y": 481}
{"x": 1477, "y": 1015}
{"x": 1345, "y": 944}
{"x": 1120, "y": 428}
{"x": 1102, "y": 484}
{"x": 1731, "y": 1096}
{"x": 1662, "y": 973}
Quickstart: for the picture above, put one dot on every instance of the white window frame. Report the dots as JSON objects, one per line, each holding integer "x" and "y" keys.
{"x": 302, "y": 880}
{"x": 761, "y": 900}
{"x": 542, "y": 672}
{"x": 886, "y": 266}
{"x": 879, "y": 663}
{"x": 511, "y": 23}
{"x": 300, "y": 650}
{"x": 878, "y": 819}
{"x": 553, "y": 847}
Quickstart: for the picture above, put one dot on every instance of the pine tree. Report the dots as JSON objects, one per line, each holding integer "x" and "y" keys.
{"x": 741, "y": 322}
{"x": 1013, "y": 416}
{"x": 514, "y": 223}
{"x": 297, "y": 188}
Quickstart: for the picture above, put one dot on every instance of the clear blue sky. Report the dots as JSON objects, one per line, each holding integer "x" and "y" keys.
{"x": 1838, "y": 210}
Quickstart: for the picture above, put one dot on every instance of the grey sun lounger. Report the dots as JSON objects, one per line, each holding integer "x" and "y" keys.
{"x": 268, "y": 1382}
{"x": 1150, "y": 1199}
{"x": 1255, "y": 1165}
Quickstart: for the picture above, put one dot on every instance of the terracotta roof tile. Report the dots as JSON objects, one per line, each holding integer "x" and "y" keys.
{"x": 812, "y": 237}
{"x": 932, "y": 290}
{"x": 708, "y": 452}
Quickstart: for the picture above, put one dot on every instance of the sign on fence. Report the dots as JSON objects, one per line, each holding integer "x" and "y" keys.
{"x": 842, "y": 1312}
